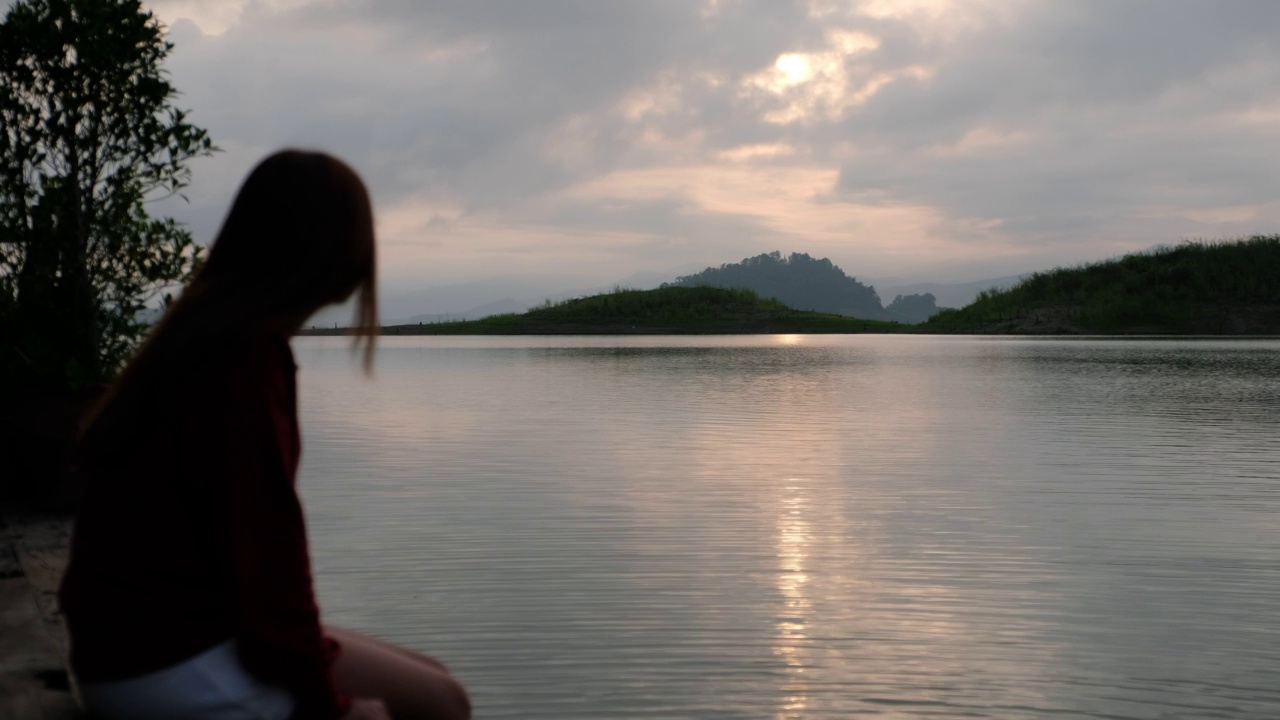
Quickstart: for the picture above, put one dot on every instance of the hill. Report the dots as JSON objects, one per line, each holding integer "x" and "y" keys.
{"x": 912, "y": 308}
{"x": 1208, "y": 288}
{"x": 946, "y": 295}
{"x": 799, "y": 281}
{"x": 668, "y": 310}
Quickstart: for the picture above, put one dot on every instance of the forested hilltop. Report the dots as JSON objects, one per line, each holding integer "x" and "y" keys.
{"x": 1210, "y": 288}
{"x": 669, "y": 310}
{"x": 806, "y": 283}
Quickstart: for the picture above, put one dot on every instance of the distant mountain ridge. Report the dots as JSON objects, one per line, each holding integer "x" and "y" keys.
{"x": 947, "y": 295}
{"x": 497, "y": 307}
{"x": 798, "y": 280}
{"x": 662, "y": 311}
{"x": 501, "y": 294}
{"x": 1208, "y": 288}
{"x": 807, "y": 283}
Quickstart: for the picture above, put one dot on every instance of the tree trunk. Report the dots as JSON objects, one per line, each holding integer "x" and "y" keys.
{"x": 81, "y": 329}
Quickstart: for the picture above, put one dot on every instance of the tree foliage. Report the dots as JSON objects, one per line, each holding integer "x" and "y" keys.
{"x": 913, "y": 308}
{"x": 1187, "y": 288}
{"x": 671, "y": 309}
{"x": 88, "y": 135}
{"x": 800, "y": 281}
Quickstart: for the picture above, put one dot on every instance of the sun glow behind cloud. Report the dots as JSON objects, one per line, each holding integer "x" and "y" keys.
{"x": 794, "y": 204}
{"x": 820, "y": 85}
{"x": 894, "y": 136}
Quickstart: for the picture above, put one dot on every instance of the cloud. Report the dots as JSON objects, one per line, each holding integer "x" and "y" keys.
{"x": 1078, "y": 124}
{"x": 930, "y": 137}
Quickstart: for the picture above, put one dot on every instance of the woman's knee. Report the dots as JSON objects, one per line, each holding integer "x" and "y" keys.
{"x": 434, "y": 696}
{"x": 411, "y": 684}
{"x": 343, "y": 634}
{"x": 459, "y": 701}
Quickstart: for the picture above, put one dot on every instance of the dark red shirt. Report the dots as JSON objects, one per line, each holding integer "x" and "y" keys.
{"x": 191, "y": 533}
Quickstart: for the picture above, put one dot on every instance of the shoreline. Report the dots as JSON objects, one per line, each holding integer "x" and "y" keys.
{"x": 414, "y": 330}
{"x": 34, "y": 678}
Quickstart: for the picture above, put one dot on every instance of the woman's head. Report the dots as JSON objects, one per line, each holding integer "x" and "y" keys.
{"x": 299, "y": 236}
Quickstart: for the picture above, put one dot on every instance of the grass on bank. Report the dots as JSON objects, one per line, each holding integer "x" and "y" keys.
{"x": 1193, "y": 287}
{"x": 670, "y": 310}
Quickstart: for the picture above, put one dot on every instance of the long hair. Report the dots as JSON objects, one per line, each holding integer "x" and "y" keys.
{"x": 299, "y": 236}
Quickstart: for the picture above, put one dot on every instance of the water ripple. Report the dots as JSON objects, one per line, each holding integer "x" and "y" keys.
{"x": 830, "y": 527}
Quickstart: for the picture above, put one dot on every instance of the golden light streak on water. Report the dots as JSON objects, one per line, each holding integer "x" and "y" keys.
{"x": 793, "y": 552}
{"x": 741, "y": 527}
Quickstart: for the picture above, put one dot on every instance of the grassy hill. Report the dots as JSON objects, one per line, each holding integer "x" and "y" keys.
{"x": 669, "y": 310}
{"x": 1206, "y": 288}
{"x": 798, "y": 280}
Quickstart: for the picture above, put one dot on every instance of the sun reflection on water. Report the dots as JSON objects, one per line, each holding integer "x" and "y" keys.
{"x": 793, "y": 579}
{"x": 849, "y": 527}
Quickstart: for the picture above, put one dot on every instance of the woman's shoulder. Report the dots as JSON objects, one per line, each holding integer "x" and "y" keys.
{"x": 242, "y": 348}
{"x": 250, "y": 359}
{"x": 260, "y": 345}
{"x": 222, "y": 370}
{"x": 194, "y": 384}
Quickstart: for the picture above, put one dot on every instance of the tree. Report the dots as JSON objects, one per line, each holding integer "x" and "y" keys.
{"x": 798, "y": 280}
{"x": 88, "y": 135}
{"x": 913, "y": 308}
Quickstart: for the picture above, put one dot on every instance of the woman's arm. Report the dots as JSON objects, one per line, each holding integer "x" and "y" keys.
{"x": 279, "y": 631}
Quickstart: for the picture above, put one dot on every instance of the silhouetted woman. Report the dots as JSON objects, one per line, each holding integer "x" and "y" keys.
{"x": 189, "y": 593}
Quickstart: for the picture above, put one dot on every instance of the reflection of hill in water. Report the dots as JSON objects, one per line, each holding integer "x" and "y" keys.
{"x": 749, "y": 361}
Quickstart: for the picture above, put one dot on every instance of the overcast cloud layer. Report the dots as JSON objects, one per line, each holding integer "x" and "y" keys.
{"x": 946, "y": 140}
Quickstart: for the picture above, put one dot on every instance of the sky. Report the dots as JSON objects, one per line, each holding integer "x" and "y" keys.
{"x": 583, "y": 141}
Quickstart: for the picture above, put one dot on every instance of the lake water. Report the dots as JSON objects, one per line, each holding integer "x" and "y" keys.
{"x": 808, "y": 526}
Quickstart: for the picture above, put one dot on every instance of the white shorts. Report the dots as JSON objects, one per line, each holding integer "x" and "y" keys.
{"x": 210, "y": 686}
